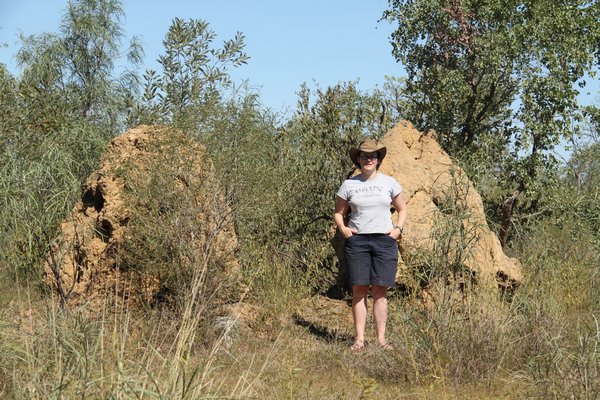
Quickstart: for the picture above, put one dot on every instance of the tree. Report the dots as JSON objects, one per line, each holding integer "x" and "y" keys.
{"x": 497, "y": 77}
{"x": 194, "y": 72}
{"x": 72, "y": 71}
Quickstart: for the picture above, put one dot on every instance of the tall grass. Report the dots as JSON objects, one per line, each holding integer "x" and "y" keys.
{"x": 117, "y": 354}
{"x": 451, "y": 338}
{"x": 39, "y": 184}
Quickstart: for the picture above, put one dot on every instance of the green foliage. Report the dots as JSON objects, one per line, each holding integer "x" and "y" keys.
{"x": 584, "y": 165}
{"x": 69, "y": 75}
{"x": 459, "y": 337}
{"x": 194, "y": 73}
{"x": 468, "y": 61}
{"x": 321, "y": 135}
{"x": 112, "y": 354}
{"x": 9, "y": 119}
{"x": 583, "y": 177}
{"x": 496, "y": 79}
{"x": 282, "y": 179}
{"x": 56, "y": 119}
{"x": 244, "y": 143}
{"x": 39, "y": 184}
{"x": 318, "y": 139}
{"x": 557, "y": 305}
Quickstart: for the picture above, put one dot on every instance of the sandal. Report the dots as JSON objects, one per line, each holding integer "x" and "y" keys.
{"x": 386, "y": 346}
{"x": 358, "y": 346}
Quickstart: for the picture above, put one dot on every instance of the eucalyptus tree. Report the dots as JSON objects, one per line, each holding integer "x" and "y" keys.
{"x": 194, "y": 73}
{"x": 72, "y": 72}
{"x": 497, "y": 77}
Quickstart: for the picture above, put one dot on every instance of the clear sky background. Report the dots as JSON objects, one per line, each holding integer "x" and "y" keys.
{"x": 320, "y": 42}
{"x": 289, "y": 42}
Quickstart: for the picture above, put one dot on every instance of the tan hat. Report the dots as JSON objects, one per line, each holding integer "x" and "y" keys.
{"x": 368, "y": 146}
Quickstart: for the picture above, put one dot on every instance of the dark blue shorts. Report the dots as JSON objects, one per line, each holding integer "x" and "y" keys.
{"x": 372, "y": 259}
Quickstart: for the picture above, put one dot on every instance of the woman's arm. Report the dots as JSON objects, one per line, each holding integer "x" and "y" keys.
{"x": 341, "y": 208}
{"x": 400, "y": 206}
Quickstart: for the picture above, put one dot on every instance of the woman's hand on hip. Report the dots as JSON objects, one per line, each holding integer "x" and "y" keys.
{"x": 347, "y": 232}
{"x": 394, "y": 234}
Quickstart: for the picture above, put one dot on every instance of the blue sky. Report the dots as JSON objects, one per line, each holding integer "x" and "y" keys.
{"x": 289, "y": 42}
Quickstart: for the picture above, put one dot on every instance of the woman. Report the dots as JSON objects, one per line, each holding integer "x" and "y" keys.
{"x": 371, "y": 247}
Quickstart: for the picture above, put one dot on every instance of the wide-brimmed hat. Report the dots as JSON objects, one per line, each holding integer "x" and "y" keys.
{"x": 368, "y": 146}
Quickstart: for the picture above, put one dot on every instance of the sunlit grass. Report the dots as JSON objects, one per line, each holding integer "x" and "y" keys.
{"x": 469, "y": 342}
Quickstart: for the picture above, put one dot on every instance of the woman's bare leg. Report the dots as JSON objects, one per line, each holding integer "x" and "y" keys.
{"x": 359, "y": 311}
{"x": 380, "y": 306}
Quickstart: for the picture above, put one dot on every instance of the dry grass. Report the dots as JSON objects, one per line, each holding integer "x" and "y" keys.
{"x": 123, "y": 355}
{"x": 467, "y": 343}
{"x": 478, "y": 347}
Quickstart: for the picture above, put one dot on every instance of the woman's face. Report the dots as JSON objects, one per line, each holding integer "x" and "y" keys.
{"x": 368, "y": 161}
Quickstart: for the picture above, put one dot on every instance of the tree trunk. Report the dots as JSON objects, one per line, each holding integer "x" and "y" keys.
{"x": 507, "y": 212}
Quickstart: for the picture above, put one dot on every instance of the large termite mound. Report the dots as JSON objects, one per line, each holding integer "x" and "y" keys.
{"x": 446, "y": 225}
{"x": 152, "y": 220}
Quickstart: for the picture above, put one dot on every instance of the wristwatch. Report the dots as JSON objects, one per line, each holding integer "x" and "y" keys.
{"x": 400, "y": 228}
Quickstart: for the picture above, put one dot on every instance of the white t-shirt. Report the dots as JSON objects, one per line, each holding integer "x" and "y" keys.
{"x": 370, "y": 202}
